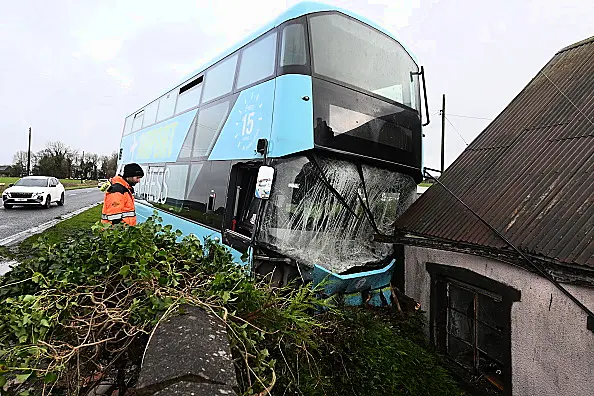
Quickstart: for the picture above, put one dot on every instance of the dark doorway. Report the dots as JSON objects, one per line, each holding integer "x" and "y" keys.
{"x": 242, "y": 206}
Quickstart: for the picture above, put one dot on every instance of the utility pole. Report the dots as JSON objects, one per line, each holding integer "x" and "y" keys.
{"x": 82, "y": 164}
{"x": 29, "y": 155}
{"x": 443, "y": 121}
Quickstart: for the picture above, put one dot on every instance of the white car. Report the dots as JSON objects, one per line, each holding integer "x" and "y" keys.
{"x": 34, "y": 190}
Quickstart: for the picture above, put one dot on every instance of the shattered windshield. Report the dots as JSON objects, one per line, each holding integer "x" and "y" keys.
{"x": 307, "y": 221}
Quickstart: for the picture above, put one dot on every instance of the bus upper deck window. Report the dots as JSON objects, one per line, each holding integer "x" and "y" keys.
{"x": 219, "y": 79}
{"x": 137, "y": 123}
{"x": 128, "y": 125}
{"x": 189, "y": 95}
{"x": 257, "y": 61}
{"x": 150, "y": 114}
{"x": 210, "y": 121}
{"x": 166, "y": 106}
{"x": 349, "y": 51}
{"x": 293, "y": 51}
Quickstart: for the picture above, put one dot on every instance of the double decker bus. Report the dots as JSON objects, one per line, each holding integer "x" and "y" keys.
{"x": 322, "y": 102}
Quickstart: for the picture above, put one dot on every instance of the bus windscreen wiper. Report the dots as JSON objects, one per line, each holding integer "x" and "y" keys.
{"x": 365, "y": 204}
{"x": 313, "y": 159}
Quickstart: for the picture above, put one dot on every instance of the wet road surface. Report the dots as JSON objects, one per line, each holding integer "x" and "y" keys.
{"x": 21, "y": 218}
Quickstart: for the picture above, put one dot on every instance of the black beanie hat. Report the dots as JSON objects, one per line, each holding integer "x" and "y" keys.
{"x": 132, "y": 170}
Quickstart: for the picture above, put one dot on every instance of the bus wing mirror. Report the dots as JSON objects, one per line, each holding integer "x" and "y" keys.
{"x": 422, "y": 74}
{"x": 264, "y": 182}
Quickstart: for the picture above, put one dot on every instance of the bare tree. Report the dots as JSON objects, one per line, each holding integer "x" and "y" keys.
{"x": 57, "y": 149}
{"x": 103, "y": 166}
{"x": 92, "y": 163}
{"x": 59, "y": 160}
{"x": 109, "y": 165}
{"x": 52, "y": 160}
{"x": 19, "y": 164}
{"x": 71, "y": 163}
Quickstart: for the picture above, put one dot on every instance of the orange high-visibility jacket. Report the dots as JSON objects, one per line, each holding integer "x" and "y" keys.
{"x": 118, "y": 204}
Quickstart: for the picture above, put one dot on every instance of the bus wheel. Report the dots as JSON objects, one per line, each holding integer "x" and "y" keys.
{"x": 273, "y": 271}
{"x": 279, "y": 273}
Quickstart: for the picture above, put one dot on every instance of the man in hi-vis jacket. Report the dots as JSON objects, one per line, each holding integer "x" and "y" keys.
{"x": 118, "y": 205}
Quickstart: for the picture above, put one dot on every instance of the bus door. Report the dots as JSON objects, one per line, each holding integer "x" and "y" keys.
{"x": 242, "y": 206}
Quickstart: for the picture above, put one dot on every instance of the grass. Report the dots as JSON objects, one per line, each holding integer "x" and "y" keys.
{"x": 74, "y": 184}
{"x": 69, "y": 184}
{"x": 65, "y": 229}
{"x": 425, "y": 184}
{"x": 8, "y": 180}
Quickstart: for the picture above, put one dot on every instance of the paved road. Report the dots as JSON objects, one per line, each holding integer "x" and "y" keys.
{"x": 22, "y": 218}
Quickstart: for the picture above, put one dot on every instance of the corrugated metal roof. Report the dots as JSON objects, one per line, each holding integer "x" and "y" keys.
{"x": 530, "y": 173}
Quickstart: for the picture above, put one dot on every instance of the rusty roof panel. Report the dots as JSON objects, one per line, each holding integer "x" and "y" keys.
{"x": 529, "y": 173}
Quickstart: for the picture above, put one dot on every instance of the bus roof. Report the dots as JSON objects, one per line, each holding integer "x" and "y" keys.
{"x": 298, "y": 10}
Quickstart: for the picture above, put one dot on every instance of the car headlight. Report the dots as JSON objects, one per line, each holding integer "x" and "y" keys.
{"x": 6, "y": 194}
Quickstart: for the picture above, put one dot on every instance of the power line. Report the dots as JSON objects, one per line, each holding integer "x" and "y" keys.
{"x": 566, "y": 97}
{"x": 474, "y": 118}
{"x": 461, "y": 137}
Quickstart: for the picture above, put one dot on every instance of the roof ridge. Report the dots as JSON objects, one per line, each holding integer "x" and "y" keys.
{"x": 575, "y": 45}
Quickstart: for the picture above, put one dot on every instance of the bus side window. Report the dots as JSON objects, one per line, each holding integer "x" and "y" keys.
{"x": 207, "y": 191}
{"x": 128, "y": 125}
{"x": 293, "y": 51}
{"x": 211, "y": 119}
{"x": 293, "y": 48}
{"x": 166, "y": 106}
{"x": 174, "y": 186}
{"x": 188, "y": 144}
{"x": 257, "y": 61}
{"x": 189, "y": 95}
{"x": 219, "y": 79}
{"x": 137, "y": 123}
{"x": 150, "y": 114}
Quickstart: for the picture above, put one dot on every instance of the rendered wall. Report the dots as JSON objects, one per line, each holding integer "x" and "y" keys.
{"x": 552, "y": 349}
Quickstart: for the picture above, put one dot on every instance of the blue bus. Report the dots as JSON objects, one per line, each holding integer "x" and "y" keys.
{"x": 326, "y": 104}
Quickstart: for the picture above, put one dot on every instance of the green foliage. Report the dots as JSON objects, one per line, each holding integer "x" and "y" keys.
{"x": 362, "y": 352}
{"x": 87, "y": 303}
{"x": 6, "y": 253}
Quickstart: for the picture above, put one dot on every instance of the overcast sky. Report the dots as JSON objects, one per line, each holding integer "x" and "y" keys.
{"x": 74, "y": 69}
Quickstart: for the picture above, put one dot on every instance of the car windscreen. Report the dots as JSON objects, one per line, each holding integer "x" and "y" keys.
{"x": 32, "y": 183}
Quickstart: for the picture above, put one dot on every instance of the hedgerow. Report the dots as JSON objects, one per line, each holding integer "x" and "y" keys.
{"x": 80, "y": 312}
